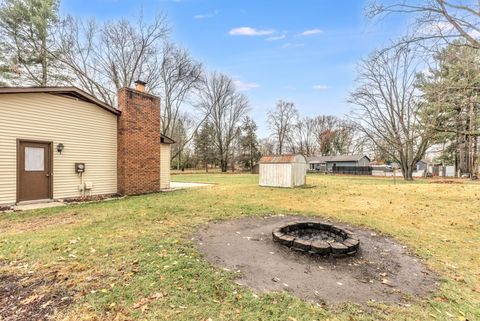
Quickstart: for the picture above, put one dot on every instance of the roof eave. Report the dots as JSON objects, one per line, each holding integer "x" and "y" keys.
{"x": 77, "y": 92}
{"x": 164, "y": 139}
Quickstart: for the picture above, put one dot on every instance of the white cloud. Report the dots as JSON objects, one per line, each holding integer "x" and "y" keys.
{"x": 292, "y": 45}
{"x": 311, "y": 32}
{"x": 320, "y": 87}
{"x": 274, "y": 38}
{"x": 247, "y": 31}
{"x": 207, "y": 15}
{"x": 245, "y": 85}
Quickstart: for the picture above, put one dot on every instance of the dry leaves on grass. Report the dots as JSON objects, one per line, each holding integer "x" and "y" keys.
{"x": 143, "y": 303}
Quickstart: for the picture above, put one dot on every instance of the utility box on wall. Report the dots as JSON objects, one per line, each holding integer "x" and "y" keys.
{"x": 283, "y": 170}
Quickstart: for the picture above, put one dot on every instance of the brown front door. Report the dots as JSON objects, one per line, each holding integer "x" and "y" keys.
{"x": 34, "y": 170}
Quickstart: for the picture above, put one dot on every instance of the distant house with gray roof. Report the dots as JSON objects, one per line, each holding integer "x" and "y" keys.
{"x": 326, "y": 163}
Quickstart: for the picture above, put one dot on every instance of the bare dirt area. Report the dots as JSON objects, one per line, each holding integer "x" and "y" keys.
{"x": 382, "y": 270}
{"x": 31, "y": 297}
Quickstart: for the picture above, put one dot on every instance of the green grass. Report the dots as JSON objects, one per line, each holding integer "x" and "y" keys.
{"x": 133, "y": 258}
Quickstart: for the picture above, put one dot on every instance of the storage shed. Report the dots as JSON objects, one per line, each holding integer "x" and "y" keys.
{"x": 283, "y": 170}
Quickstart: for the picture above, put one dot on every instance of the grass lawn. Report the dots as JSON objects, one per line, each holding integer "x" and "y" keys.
{"x": 133, "y": 259}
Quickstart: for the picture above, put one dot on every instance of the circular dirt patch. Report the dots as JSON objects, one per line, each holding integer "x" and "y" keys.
{"x": 381, "y": 270}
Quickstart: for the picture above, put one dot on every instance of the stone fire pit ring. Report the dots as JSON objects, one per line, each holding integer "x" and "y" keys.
{"x": 317, "y": 238}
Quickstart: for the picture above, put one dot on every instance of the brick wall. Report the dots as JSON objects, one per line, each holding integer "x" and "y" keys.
{"x": 138, "y": 142}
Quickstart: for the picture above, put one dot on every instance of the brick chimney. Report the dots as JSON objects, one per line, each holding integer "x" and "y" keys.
{"x": 138, "y": 141}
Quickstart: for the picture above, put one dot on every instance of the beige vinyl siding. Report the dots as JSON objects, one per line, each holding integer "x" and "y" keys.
{"x": 88, "y": 132}
{"x": 165, "y": 165}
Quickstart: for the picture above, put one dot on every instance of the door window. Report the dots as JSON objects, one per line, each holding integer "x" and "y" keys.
{"x": 34, "y": 159}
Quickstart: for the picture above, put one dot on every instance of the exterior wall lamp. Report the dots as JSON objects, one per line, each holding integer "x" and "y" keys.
{"x": 60, "y": 148}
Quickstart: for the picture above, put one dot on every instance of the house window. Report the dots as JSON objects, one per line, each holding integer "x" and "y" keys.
{"x": 34, "y": 159}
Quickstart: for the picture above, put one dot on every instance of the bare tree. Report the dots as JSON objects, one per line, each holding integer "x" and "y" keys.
{"x": 267, "y": 146}
{"x": 103, "y": 59}
{"x": 387, "y": 106}
{"x": 436, "y": 19}
{"x": 303, "y": 140}
{"x": 225, "y": 107}
{"x": 324, "y": 131}
{"x": 182, "y": 132}
{"x": 180, "y": 76}
{"x": 281, "y": 121}
{"x": 343, "y": 140}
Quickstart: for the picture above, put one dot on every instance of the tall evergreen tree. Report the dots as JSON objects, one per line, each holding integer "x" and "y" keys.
{"x": 248, "y": 142}
{"x": 26, "y": 29}
{"x": 204, "y": 146}
{"x": 452, "y": 96}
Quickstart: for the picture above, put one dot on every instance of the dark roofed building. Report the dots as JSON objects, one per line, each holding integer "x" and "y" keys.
{"x": 326, "y": 163}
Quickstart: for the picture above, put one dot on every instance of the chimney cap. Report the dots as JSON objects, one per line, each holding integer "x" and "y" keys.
{"x": 140, "y": 82}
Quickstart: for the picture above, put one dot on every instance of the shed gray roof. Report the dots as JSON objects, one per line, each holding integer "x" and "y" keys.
{"x": 338, "y": 158}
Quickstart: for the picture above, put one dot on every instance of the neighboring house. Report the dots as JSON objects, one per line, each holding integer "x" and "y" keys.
{"x": 60, "y": 142}
{"x": 326, "y": 163}
{"x": 422, "y": 165}
{"x": 282, "y": 170}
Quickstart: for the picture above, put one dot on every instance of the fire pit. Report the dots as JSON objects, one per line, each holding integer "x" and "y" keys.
{"x": 317, "y": 238}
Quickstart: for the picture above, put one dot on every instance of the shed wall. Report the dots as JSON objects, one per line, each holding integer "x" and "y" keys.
{"x": 276, "y": 175}
{"x": 298, "y": 173}
{"x": 88, "y": 132}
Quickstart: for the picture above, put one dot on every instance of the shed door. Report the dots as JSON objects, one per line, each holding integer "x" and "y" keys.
{"x": 34, "y": 170}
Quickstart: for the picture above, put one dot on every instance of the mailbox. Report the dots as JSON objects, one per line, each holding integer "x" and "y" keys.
{"x": 79, "y": 167}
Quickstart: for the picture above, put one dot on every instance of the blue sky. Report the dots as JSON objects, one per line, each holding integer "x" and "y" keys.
{"x": 303, "y": 51}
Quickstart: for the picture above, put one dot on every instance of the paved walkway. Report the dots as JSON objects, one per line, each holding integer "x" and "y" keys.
{"x": 35, "y": 206}
{"x": 181, "y": 185}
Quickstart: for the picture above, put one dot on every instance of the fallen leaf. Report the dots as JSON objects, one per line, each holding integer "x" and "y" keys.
{"x": 30, "y": 299}
{"x": 46, "y": 304}
{"x": 459, "y": 278}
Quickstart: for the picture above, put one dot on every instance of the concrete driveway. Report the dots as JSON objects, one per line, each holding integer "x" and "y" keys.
{"x": 181, "y": 185}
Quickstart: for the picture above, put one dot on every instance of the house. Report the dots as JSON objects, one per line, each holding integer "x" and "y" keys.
{"x": 60, "y": 142}
{"x": 422, "y": 165}
{"x": 327, "y": 163}
{"x": 282, "y": 170}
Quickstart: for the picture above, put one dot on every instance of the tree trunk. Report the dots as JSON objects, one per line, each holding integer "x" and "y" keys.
{"x": 223, "y": 165}
{"x": 407, "y": 171}
{"x": 251, "y": 157}
{"x": 408, "y": 175}
{"x": 44, "y": 63}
